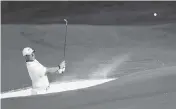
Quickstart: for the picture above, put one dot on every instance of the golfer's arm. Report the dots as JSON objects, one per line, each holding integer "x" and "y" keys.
{"x": 52, "y": 70}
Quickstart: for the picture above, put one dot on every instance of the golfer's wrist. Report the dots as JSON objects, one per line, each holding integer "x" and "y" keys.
{"x": 59, "y": 67}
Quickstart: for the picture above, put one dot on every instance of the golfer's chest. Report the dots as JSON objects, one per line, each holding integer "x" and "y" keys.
{"x": 36, "y": 69}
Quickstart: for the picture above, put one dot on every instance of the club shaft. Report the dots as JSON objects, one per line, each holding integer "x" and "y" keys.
{"x": 65, "y": 43}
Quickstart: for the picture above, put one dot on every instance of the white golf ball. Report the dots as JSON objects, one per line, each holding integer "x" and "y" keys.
{"x": 155, "y": 14}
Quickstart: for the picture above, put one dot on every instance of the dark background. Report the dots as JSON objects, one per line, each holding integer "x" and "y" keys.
{"x": 121, "y": 12}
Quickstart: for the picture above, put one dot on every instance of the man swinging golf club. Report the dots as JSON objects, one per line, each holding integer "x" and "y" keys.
{"x": 38, "y": 72}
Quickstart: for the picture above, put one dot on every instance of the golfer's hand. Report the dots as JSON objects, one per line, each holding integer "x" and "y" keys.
{"x": 62, "y": 67}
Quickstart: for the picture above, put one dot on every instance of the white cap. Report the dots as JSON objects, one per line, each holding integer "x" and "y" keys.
{"x": 27, "y": 51}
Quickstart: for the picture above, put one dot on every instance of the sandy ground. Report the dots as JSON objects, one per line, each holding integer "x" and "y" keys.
{"x": 142, "y": 56}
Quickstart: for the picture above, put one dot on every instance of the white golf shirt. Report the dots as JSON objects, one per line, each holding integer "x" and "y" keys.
{"x": 37, "y": 74}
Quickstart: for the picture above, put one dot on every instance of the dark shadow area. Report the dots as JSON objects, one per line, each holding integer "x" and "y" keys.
{"x": 88, "y": 12}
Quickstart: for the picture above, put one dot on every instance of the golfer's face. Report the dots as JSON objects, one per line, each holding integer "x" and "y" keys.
{"x": 30, "y": 57}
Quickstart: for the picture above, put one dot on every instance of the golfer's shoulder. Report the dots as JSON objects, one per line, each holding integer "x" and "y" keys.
{"x": 35, "y": 63}
{"x": 36, "y": 66}
{"x": 39, "y": 64}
